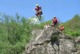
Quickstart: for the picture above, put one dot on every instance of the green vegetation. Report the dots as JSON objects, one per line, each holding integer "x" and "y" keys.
{"x": 15, "y": 32}
{"x": 72, "y": 27}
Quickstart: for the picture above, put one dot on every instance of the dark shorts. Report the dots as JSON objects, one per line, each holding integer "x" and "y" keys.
{"x": 39, "y": 13}
{"x": 55, "y": 23}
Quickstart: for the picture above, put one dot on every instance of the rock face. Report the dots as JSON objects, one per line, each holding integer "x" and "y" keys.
{"x": 51, "y": 41}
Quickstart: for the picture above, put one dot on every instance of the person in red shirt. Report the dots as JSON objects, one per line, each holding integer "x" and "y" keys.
{"x": 38, "y": 10}
{"x": 54, "y": 21}
{"x": 61, "y": 28}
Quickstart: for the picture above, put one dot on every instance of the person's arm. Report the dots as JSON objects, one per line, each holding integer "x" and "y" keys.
{"x": 34, "y": 9}
{"x": 58, "y": 20}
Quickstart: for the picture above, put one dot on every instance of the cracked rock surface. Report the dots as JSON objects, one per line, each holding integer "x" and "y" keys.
{"x": 52, "y": 41}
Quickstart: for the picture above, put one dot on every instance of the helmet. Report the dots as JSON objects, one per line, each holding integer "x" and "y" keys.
{"x": 37, "y": 4}
{"x": 54, "y": 17}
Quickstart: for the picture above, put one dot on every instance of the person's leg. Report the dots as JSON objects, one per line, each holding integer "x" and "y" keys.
{"x": 37, "y": 14}
{"x": 54, "y": 24}
{"x": 40, "y": 12}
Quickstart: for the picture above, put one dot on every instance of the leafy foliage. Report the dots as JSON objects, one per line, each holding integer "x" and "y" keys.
{"x": 72, "y": 27}
{"x": 15, "y": 32}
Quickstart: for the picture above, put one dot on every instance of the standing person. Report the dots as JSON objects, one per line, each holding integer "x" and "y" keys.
{"x": 54, "y": 21}
{"x": 38, "y": 11}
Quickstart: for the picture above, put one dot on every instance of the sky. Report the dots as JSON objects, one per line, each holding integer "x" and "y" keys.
{"x": 64, "y": 10}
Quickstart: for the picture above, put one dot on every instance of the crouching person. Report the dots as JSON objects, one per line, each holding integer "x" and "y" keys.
{"x": 61, "y": 28}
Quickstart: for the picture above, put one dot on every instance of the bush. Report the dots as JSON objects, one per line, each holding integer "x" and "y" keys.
{"x": 75, "y": 34}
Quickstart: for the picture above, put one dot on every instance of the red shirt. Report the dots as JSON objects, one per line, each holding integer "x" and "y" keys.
{"x": 38, "y": 8}
{"x": 54, "y": 20}
{"x": 62, "y": 28}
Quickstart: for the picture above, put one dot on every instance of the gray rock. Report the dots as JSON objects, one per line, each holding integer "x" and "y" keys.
{"x": 77, "y": 40}
{"x": 50, "y": 41}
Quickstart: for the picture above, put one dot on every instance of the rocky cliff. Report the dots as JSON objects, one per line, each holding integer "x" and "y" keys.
{"x": 52, "y": 41}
